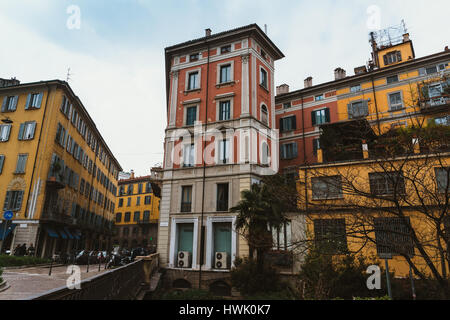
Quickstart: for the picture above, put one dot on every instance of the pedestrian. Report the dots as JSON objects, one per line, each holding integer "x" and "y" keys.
{"x": 23, "y": 250}
{"x": 31, "y": 250}
{"x": 17, "y": 250}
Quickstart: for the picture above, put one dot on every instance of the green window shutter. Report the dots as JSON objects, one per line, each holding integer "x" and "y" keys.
{"x": 281, "y": 124}
{"x": 366, "y": 107}
{"x": 5, "y": 99}
{"x": 327, "y": 115}
{"x": 19, "y": 200}
{"x": 21, "y": 130}
{"x": 295, "y": 152}
{"x": 294, "y": 122}
{"x": 2, "y": 160}
{"x": 7, "y": 200}
{"x": 313, "y": 118}
{"x": 27, "y": 105}
{"x": 350, "y": 111}
{"x": 39, "y": 100}
{"x": 33, "y": 130}
{"x": 14, "y": 107}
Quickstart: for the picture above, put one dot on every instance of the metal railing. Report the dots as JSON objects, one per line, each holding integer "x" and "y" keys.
{"x": 123, "y": 283}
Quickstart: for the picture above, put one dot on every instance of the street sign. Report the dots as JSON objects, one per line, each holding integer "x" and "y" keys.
{"x": 8, "y": 215}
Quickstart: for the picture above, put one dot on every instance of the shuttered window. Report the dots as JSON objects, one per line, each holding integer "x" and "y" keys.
{"x": 2, "y": 161}
{"x": 9, "y": 103}
{"x": 5, "y": 130}
{"x": 34, "y": 101}
{"x": 289, "y": 151}
{"x": 358, "y": 109}
{"x": 319, "y": 117}
{"x": 21, "y": 163}
{"x": 288, "y": 123}
{"x": 26, "y": 131}
{"x": 13, "y": 200}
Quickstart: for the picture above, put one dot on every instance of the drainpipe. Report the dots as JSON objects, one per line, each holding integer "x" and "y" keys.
{"x": 32, "y": 175}
{"x": 376, "y": 104}
{"x": 202, "y": 233}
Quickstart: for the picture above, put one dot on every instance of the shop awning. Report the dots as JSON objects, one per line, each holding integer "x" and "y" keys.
{"x": 51, "y": 233}
{"x": 76, "y": 234}
{"x": 63, "y": 234}
{"x": 69, "y": 234}
{"x": 9, "y": 229}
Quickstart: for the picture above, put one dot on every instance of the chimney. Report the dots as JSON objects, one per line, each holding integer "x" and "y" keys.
{"x": 360, "y": 70}
{"x": 207, "y": 32}
{"x": 132, "y": 174}
{"x": 308, "y": 82}
{"x": 339, "y": 73}
{"x": 406, "y": 37}
{"x": 282, "y": 89}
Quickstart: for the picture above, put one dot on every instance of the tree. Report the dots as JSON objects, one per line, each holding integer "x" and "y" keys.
{"x": 395, "y": 197}
{"x": 257, "y": 212}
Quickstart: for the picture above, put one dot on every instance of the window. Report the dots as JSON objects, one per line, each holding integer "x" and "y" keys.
{"x": 146, "y": 215}
{"x": 319, "y": 97}
{"x": 125, "y": 232}
{"x": 186, "y": 198}
{"x": 148, "y": 200}
{"x": 148, "y": 187}
{"x": 130, "y": 189}
{"x": 193, "y": 81}
{"x": 225, "y": 49}
{"x": 140, "y": 188}
{"x": 224, "y": 151}
{"x": 392, "y": 57}
{"x": 263, "y": 54}
{"x": 392, "y": 79}
{"x": 330, "y": 235}
{"x": 188, "y": 155}
{"x": 263, "y": 78}
{"x": 289, "y": 151}
{"x": 393, "y": 237}
{"x": 138, "y": 201}
{"x": 21, "y": 163}
{"x": 326, "y": 187}
{"x": 320, "y": 116}
{"x": 13, "y": 200}
{"x": 222, "y": 197}
{"x": 384, "y": 183}
{"x": 121, "y": 190}
{"x": 194, "y": 57}
{"x": 26, "y": 131}
{"x": 286, "y": 105}
{"x": 265, "y": 154}
{"x": 5, "y": 130}
{"x": 225, "y": 73}
{"x": 9, "y": 103}
{"x": 128, "y": 202}
{"x": 119, "y": 217}
{"x": 224, "y": 110}
{"x": 442, "y": 179}
{"x": 442, "y": 121}
{"x": 358, "y": 109}
{"x": 282, "y": 237}
{"x": 60, "y": 135}
{"x": 264, "y": 114}
{"x": 33, "y": 101}
{"x": 356, "y": 88}
{"x": 316, "y": 145}
{"x": 82, "y": 186}
{"x": 127, "y": 216}
{"x": 191, "y": 115}
{"x": 137, "y": 216}
{"x": 288, "y": 123}
{"x": 120, "y": 203}
{"x": 395, "y": 101}
{"x": 2, "y": 161}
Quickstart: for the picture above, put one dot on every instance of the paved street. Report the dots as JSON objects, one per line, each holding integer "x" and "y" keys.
{"x": 28, "y": 282}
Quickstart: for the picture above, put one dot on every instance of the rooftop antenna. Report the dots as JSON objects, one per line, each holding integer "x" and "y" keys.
{"x": 265, "y": 28}
{"x": 68, "y": 75}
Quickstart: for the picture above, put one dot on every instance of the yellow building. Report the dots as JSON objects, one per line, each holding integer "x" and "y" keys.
{"x": 349, "y": 191}
{"x": 137, "y": 213}
{"x": 57, "y": 174}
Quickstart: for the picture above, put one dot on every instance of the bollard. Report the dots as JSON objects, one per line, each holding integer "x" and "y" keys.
{"x": 99, "y": 263}
{"x": 51, "y": 267}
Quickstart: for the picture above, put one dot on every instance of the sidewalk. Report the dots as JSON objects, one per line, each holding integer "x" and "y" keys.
{"x": 31, "y": 281}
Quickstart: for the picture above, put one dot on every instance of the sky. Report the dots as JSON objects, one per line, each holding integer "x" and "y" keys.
{"x": 115, "y": 50}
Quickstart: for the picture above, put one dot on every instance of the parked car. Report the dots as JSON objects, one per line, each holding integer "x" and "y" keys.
{"x": 82, "y": 257}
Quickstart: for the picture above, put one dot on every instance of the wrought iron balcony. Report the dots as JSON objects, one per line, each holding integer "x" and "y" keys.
{"x": 435, "y": 104}
{"x": 186, "y": 207}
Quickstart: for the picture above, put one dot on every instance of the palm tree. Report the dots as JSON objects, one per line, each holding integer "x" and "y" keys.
{"x": 257, "y": 212}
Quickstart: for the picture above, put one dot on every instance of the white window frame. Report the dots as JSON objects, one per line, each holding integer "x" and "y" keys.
{"x": 219, "y": 66}
{"x": 210, "y": 242}
{"x": 261, "y": 113}
{"x": 395, "y": 107}
{"x": 199, "y": 72}
{"x": 173, "y": 247}
{"x": 261, "y": 68}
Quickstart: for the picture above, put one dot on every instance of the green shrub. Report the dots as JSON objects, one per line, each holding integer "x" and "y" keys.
{"x": 250, "y": 282}
{"x": 14, "y": 261}
{"x": 1, "y": 271}
{"x": 330, "y": 277}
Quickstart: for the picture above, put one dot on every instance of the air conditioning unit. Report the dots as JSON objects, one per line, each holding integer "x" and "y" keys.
{"x": 221, "y": 259}
{"x": 184, "y": 259}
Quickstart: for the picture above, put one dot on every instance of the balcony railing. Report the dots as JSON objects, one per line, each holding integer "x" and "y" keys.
{"x": 186, "y": 207}
{"x": 434, "y": 104}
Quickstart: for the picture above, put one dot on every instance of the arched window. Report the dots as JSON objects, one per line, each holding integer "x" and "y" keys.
{"x": 264, "y": 114}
